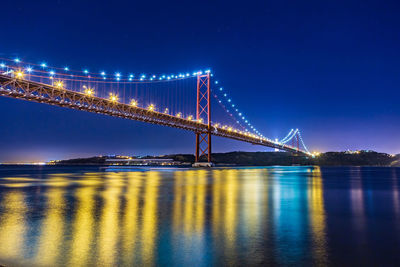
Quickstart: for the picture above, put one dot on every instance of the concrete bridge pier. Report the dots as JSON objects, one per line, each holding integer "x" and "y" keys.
{"x": 203, "y": 164}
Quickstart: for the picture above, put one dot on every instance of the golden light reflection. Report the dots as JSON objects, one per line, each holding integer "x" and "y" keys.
{"x": 230, "y": 208}
{"x": 224, "y": 210}
{"x": 317, "y": 217}
{"x": 130, "y": 224}
{"x": 178, "y": 199}
{"x": 200, "y": 202}
{"x": 108, "y": 224}
{"x": 110, "y": 219}
{"x": 52, "y": 228}
{"x": 12, "y": 225}
{"x": 255, "y": 194}
{"x": 190, "y": 216}
{"x": 83, "y": 226}
{"x": 189, "y": 213}
{"x": 216, "y": 208}
{"x": 150, "y": 217}
{"x": 188, "y": 207}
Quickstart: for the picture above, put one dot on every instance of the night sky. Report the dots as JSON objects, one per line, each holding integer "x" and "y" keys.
{"x": 329, "y": 68}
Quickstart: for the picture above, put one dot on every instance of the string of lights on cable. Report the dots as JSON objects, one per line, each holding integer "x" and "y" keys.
{"x": 224, "y": 98}
{"x": 50, "y": 71}
{"x": 123, "y": 88}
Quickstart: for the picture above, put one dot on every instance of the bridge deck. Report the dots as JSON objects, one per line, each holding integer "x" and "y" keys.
{"x": 44, "y": 93}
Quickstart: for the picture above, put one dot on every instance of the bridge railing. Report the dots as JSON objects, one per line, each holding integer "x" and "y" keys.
{"x": 12, "y": 86}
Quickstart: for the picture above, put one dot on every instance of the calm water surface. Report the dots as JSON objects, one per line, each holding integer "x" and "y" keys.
{"x": 54, "y": 216}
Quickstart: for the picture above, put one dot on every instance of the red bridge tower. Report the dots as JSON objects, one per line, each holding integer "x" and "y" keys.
{"x": 203, "y": 113}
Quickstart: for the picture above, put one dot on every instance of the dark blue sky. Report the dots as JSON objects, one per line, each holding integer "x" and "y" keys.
{"x": 330, "y": 68}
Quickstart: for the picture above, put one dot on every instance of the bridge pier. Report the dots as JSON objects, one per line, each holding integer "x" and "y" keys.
{"x": 203, "y": 164}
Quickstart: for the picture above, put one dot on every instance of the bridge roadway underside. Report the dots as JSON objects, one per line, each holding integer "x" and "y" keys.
{"x": 44, "y": 93}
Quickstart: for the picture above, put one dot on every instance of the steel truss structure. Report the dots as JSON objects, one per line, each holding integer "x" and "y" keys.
{"x": 44, "y": 93}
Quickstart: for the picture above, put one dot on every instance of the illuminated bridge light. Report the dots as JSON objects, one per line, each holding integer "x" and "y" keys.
{"x": 179, "y": 114}
{"x": 229, "y": 129}
{"x": 2, "y": 65}
{"x": 86, "y": 71}
{"x": 19, "y": 74}
{"x": 88, "y": 91}
{"x": 190, "y": 117}
{"x": 66, "y": 69}
{"x": 113, "y": 97}
{"x": 59, "y": 84}
{"x": 103, "y": 73}
{"x": 52, "y": 73}
{"x": 17, "y": 60}
{"x": 134, "y": 103}
{"x": 200, "y": 120}
{"x": 29, "y": 69}
{"x": 43, "y": 65}
{"x": 151, "y": 107}
{"x": 166, "y": 111}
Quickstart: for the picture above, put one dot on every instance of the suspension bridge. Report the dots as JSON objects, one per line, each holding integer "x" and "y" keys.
{"x": 184, "y": 101}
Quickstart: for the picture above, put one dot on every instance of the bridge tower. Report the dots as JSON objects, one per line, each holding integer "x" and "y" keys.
{"x": 295, "y": 141}
{"x": 203, "y": 113}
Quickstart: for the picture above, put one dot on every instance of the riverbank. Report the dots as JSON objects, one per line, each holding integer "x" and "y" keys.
{"x": 357, "y": 158}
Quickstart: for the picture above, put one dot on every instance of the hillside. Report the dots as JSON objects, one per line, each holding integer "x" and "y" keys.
{"x": 361, "y": 158}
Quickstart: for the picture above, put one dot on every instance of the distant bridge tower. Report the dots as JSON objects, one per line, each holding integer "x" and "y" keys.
{"x": 276, "y": 141}
{"x": 203, "y": 113}
{"x": 295, "y": 141}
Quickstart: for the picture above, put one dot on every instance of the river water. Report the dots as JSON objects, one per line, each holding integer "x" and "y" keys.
{"x": 56, "y": 216}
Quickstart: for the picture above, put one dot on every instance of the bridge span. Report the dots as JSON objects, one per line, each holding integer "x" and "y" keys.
{"x": 15, "y": 85}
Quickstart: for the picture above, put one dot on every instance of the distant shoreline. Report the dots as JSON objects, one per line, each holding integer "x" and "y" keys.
{"x": 238, "y": 159}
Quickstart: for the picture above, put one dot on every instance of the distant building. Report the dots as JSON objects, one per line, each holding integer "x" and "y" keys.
{"x": 142, "y": 161}
{"x": 352, "y": 151}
